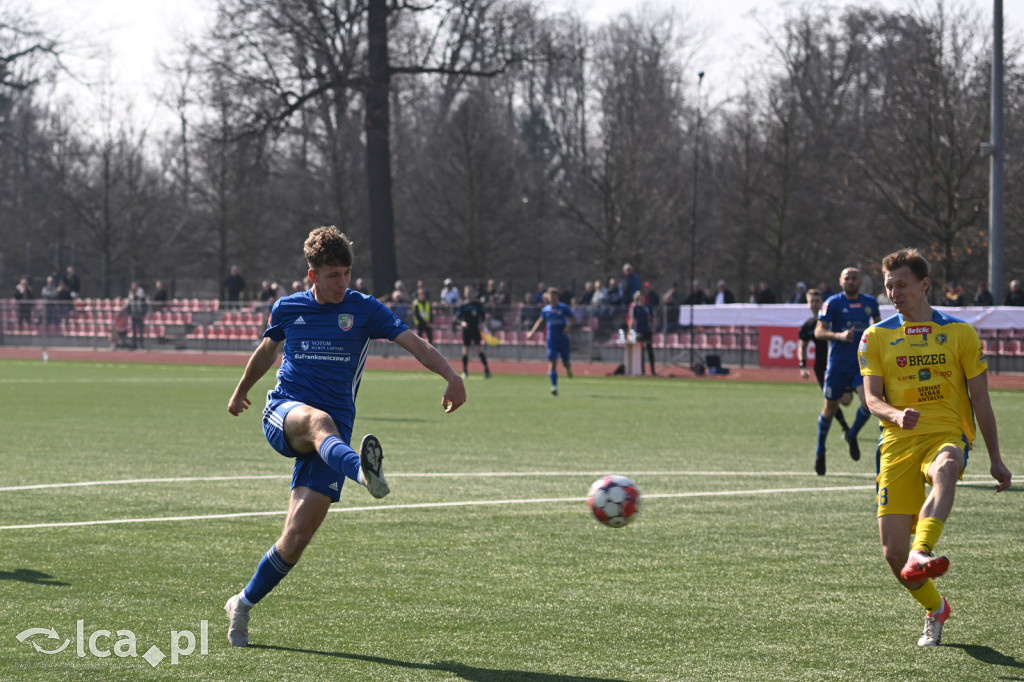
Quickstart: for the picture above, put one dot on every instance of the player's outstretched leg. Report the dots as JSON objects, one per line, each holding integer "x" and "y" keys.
{"x": 371, "y": 455}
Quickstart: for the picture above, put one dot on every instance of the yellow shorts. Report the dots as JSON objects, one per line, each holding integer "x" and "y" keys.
{"x": 903, "y": 470}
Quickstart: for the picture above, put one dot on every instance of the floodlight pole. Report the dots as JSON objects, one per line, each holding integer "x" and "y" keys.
{"x": 693, "y": 216}
{"x": 994, "y": 150}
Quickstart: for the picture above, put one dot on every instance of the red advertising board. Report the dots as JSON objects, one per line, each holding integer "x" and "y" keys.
{"x": 780, "y": 347}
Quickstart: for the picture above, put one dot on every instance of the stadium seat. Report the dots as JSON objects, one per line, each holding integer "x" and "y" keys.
{"x": 1010, "y": 347}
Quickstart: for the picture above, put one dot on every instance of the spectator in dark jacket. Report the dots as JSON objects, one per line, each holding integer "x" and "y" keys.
{"x": 765, "y": 293}
{"x": 984, "y": 296}
{"x": 1015, "y": 296}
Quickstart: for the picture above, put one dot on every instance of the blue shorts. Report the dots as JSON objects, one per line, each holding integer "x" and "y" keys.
{"x": 310, "y": 470}
{"x": 559, "y": 347}
{"x": 839, "y": 380}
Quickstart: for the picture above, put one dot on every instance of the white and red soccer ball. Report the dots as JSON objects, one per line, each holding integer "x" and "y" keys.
{"x": 614, "y": 500}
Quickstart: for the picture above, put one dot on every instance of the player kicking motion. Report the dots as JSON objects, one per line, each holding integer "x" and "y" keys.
{"x": 325, "y": 333}
{"x": 559, "y": 319}
{"x": 926, "y": 380}
{"x": 842, "y": 320}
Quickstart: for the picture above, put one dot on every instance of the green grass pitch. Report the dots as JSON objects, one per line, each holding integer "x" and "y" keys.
{"x": 483, "y": 563}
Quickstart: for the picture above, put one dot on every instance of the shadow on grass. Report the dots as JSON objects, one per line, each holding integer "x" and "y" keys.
{"x": 988, "y": 655}
{"x": 26, "y": 575}
{"x": 464, "y": 672}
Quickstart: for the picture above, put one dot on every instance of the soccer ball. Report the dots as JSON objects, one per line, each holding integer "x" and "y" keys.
{"x": 614, "y": 500}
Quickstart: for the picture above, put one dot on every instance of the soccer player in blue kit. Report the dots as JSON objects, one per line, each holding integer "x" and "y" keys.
{"x": 559, "y": 318}
{"x": 325, "y": 334}
{"x": 842, "y": 321}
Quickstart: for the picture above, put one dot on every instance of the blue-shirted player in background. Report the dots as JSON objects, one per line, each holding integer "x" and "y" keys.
{"x": 841, "y": 322}
{"x": 325, "y": 334}
{"x": 559, "y": 319}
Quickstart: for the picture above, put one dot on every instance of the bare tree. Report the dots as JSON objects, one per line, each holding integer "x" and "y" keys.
{"x": 620, "y": 178}
{"x": 922, "y": 154}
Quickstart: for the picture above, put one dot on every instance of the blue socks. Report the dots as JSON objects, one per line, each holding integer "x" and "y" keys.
{"x": 823, "y": 427}
{"x": 268, "y": 574}
{"x": 340, "y": 456}
{"x": 858, "y": 422}
{"x": 554, "y": 378}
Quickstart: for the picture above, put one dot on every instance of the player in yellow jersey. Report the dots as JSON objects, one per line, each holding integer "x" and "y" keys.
{"x": 925, "y": 378}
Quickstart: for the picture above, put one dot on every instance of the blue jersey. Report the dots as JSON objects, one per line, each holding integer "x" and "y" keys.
{"x": 840, "y": 313}
{"x": 556, "y": 317}
{"x": 325, "y": 348}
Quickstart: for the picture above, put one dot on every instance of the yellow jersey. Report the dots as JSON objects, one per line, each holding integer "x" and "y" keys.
{"x": 925, "y": 366}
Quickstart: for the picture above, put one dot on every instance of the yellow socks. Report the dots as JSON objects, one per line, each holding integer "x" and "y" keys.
{"x": 927, "y": 596}
{"x": 927, "y": 534}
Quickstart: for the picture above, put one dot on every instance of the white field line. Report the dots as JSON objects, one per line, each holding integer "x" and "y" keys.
{"x": 430, "y": 505}
{"x": 465, "y": 474}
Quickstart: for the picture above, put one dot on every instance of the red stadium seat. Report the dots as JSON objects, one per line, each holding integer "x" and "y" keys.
{"x": 1011, "y": 347}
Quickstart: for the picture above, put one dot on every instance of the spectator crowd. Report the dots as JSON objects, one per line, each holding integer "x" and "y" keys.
{"x": 602, "y": 305}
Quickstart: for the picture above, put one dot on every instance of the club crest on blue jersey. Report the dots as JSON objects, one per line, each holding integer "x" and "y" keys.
{"x": 345, "y": 321}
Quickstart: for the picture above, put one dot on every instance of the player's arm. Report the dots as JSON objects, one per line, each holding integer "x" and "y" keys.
{"x": 823, "y": 333}
{"x": 535, "y": 327}
{"x": 431, "y": 358}
{"x": 260, "y": 362}
{"x": 804, "y": 343}
{"x": 978, "y": 386}
{"x": 874, "y": 397}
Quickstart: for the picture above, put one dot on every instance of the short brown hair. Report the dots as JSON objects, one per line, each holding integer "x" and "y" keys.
{"x": 910, "y": 258}
{"x": 327, "y": 246}
{"x": 813, "y": 292}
